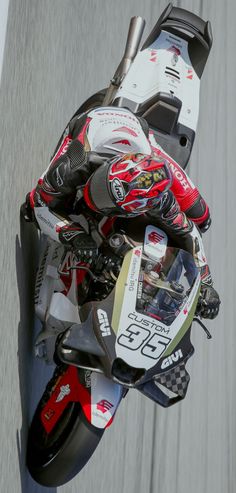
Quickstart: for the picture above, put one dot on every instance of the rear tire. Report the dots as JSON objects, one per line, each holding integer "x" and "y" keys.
{"x": 55, "y": 458}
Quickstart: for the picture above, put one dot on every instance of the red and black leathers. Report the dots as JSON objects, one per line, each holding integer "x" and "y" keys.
{"x": 87, "y": 140}
{"x": 72, "y": 165}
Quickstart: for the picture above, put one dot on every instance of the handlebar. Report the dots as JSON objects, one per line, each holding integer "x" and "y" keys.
{"x": 102, "y": 260}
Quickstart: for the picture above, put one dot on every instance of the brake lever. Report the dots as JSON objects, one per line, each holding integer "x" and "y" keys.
{"x": 81, "y": 267}
{"x": 196, "y": 319}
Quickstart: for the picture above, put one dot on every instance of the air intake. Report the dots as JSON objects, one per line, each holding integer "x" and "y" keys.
{"x": 128, "y": 375}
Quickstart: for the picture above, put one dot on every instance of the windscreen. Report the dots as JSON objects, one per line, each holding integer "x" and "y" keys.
{"x": 165, "y": 285}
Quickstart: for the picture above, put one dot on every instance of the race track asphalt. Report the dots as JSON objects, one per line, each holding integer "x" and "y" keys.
{"x": 57, "y": 53}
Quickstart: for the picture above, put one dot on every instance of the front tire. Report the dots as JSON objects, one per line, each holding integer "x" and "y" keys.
{"x": 55, "y": 458}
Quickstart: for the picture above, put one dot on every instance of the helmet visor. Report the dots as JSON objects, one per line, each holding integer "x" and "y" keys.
{"x": 99, "y": 190}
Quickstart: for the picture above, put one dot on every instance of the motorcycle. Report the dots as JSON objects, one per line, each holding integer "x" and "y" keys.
{"x": 161, "y": 81}
{"x": 132, "y": 332}
{"x": 124, "y": 321}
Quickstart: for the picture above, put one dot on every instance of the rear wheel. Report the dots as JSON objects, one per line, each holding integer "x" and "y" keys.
{"x": 55, "y": 458}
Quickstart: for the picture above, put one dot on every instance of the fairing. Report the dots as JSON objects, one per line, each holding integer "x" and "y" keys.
{"x": 157, "y": 305}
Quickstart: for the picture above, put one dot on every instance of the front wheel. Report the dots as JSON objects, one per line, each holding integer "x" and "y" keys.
{"x": 55, "y": 458}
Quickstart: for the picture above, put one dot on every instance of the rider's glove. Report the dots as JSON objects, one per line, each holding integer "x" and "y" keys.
{"x": 26, "y": 210}
{"x": 205, "y": 225}
{"x": 209, "y": 302}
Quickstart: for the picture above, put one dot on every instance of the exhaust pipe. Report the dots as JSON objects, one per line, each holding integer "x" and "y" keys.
{"x": 135, "y": 33}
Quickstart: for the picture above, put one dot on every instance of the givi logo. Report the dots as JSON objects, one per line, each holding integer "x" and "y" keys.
{"x": 171, "y": 359}
{"x": 104, "y": 323}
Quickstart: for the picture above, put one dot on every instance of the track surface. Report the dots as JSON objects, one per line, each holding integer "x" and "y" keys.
{"x": 57, "y": 53}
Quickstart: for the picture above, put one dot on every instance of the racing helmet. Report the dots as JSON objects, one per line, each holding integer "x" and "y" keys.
{"x": 127, "y": 185}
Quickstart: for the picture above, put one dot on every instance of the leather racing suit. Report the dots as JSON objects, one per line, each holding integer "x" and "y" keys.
{"x": 89, "y": 139}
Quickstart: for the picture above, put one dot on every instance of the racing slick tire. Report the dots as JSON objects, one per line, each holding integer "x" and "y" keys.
{"x": 54, "y": 459}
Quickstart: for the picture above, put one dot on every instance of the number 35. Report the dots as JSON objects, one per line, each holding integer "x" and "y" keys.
{"x": 135, "y": 337}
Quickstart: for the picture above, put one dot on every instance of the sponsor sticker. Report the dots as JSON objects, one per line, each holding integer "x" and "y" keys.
{"x": 170, "y": 360}
{"x": 64, "y": 391}
{"x": 155, "y": 237}
{"x": 49, "y": 414}
{"x": 103, "y": 322}
{"x": 118, "y": 189}
{"x": 68, "y": 235}
{"x": 104, "y": 406}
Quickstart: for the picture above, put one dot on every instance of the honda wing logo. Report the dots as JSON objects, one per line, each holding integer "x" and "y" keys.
{"x": 104, "y": 323}
{"x": 155, "y": 237}
{"x": 104, "y": 405}
{"x": 64, "y": 391}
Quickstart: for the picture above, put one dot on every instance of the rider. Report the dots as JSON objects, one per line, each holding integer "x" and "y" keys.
{"x": 109, "y": 159}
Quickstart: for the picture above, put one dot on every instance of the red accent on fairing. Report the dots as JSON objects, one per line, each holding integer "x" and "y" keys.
{"x": 69, "y": 227}
{"x": 155, "y": 237}
{"x": 175, "y": 50}
{"x": 107, "y": 226}
{"x": 110, "y": 421}
{"x": 124, "y": 142}
{"x": 67, "y": 283}
{"x": 127, "y": 130}
{"x": 81, "y": 136}
{"x": 153, "y": 56}
{"x": 63, "y": 147}
{"x": 53, "y": 410}
{"x": 32, "y": 203}
{"x": 65, "y": 278}
{"x": 190, "y": 74}
{"x": 104, "y": 405}
{"x": 152, "y": 315}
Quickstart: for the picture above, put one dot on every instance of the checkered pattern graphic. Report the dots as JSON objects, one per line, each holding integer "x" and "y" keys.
{"x": 176, "y": 380}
